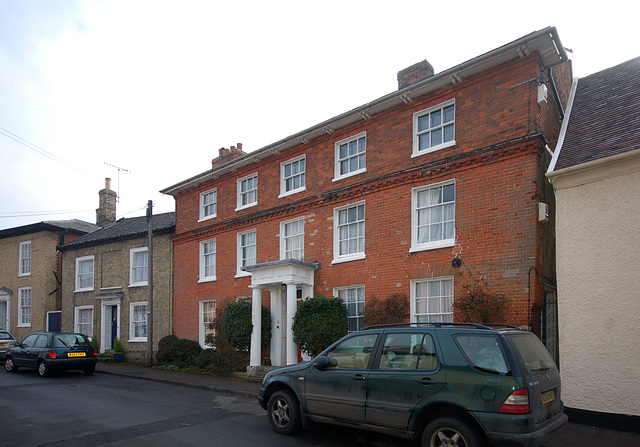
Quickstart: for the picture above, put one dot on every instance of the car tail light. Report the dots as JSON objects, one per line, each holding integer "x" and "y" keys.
{"x": 53, "y": 355}
{"x": 516, "y": 403}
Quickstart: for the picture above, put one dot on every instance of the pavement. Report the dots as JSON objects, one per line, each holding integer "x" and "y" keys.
{"x": 571, "y": 435}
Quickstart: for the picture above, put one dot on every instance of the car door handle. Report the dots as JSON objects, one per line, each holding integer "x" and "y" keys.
{"x": 427, "y": 381}
{"x": 359, "y": 377}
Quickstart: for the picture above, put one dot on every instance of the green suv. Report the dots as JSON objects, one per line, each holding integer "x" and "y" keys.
{"x": 446, "y": 384}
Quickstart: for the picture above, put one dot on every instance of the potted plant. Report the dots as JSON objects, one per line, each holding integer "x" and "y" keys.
{"x": 118, "y": 350}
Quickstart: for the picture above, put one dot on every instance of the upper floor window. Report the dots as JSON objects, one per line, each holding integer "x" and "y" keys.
{"x": 292, "y": 239}
{"x": 84, "y": 320}
{"x": 348, "y": 233}
{"x": 247, "y": 191}
{"x": 208, "y": 204}
{"x": 432, "y": 300}
{"x": 25, "y": 258}
{"x": 84, "y": 273}
{"x": 208, "y": 260}
{"x": 351, "y": 156}
{"x": 247, "y": 244}
{"x": 24, "y": 307}
{"x": 138, "y": 322}
{"x": 293, "y": 176}
{"x": 139, "y": 262}
{"x": 434, "y": 216}
{"x": 353, "y": 298}
{"x": 434, "y": 128}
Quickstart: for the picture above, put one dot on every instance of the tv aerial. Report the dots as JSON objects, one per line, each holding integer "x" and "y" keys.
{"x": 119, "y": 171}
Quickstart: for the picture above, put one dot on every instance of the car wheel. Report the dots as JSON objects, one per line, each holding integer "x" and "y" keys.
{"x": 284, "y": 412}
{"x": 450, "y": 432}
{"x": 9, "y": 365}
{"x": 89, "y": 370}
{"x": 43, "y": 369}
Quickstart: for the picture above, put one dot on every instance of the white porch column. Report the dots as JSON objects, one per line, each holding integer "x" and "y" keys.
{"x": 256, "y": 319}
{"x": 276, "y": 330}
{"x": 292, "y": 305}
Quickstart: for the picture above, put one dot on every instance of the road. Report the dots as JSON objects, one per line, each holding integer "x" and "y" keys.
{"x": 74, "y": 410}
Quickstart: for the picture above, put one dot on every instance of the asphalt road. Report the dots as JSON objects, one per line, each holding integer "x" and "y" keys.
{"x": 71, "y": 409}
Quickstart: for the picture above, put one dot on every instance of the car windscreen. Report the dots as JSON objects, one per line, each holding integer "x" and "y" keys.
{"x": 533, "y": 353}
{"x": 71, "y": 341}
{"x": 5, "y": 336}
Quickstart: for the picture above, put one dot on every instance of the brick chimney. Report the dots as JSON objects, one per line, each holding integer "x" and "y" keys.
{"x": 225, "y": 155}
{"x": 416, "y": 73}
{"x": 106, "y": 212}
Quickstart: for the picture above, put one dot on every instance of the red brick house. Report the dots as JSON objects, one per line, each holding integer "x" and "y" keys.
{"x": 382, "y": 199}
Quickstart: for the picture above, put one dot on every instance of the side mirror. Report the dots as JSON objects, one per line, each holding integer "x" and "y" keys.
{"x": 322, "y": 362}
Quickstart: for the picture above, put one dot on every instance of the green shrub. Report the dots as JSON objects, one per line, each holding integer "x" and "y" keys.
{"x": 318, "y": 323}
{"x": 237, "y": 325}
{"x": 395, "y": 308}
{"x": 164, "y": 349}
{"x": 117, "y": 345}
{"x": 185, "y": 352}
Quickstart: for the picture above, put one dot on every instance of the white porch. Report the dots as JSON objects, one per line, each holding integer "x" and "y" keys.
{"x": 286, "y": 281}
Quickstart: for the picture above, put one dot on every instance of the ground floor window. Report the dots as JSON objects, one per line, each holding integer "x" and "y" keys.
{"x": 83, "y": 320}
{"x": 432, "y": 300}
{"x": 207, "y": 323}
{"x": 353, "y": 297}
{"x": 138, "y": 322}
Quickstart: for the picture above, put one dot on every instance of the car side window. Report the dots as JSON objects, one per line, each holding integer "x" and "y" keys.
{"x": 29, "y": 341}
{"x": 41, "y": 342}
{"x": 483, "y": 351}
{"x": 408, "y": 351}
{"x": 354, "y": 352}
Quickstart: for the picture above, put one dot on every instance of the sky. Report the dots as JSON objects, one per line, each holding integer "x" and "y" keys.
{"x": 145, "y": 92}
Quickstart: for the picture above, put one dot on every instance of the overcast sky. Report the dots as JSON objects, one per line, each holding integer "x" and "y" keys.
{"x": 155, "y": 87}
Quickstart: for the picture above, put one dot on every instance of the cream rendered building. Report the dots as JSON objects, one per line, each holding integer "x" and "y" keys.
{"x": 596, "y": 177}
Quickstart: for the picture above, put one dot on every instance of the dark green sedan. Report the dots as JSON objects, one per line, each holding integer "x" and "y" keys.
{"x": 50, "y": 351}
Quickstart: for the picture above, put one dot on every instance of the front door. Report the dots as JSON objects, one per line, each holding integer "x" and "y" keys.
{"x": 114, "y": 323}
{"x": 54, "y": 321}
{"x": 3, "y": 315}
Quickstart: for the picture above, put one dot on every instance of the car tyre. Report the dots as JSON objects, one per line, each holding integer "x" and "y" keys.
{"x": 9, "y": 366}
{"x": 284, "y": 412}
{"x": 450, "y": 432}
{"x": 43, "y": 369}
{"x": 89, "y": 370}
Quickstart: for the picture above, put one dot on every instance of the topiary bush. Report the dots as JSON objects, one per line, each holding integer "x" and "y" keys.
{"x": 237, "y": 325}
{"x": 319, "y": 322}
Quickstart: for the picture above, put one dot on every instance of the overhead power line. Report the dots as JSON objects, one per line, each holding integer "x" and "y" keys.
{"x": 40, "y": 151}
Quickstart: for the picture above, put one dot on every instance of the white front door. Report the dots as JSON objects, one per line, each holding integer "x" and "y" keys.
{"x": 4, "y": 314}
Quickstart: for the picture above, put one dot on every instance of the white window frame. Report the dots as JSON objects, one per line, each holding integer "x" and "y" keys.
{"x": 203, "y": 205}
{"x": 300, "y": 174}
{"x": 338, "y": 159}
{"x": 76, "y": 320}
{"x": 203, "y": 257}
{"x": 24, "y": 268}
{"x": 24, "y": 318}
{"x": 242, "y": 194}
{"x": 80, "y": 260}
{"x": 416, "y": 133}
{"x": 448, "y": 242}
{"x": 438, "y": 301}
{"x": 344, "y": 293}
{"x": 133, "y": 322}
{"x": 337, "y": 257}
{"x": 132, "y": 255}
{"x": 240, "y": 249}
{"x": 284, "y": 238}
{"x": 203, "y": 332}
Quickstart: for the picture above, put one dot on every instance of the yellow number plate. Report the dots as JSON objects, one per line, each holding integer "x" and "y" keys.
{"x": 547, "y": 397}
{"x": 3, "y": 344}
{"x": 76, "y": 354}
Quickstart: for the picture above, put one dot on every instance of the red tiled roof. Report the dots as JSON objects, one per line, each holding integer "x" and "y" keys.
{"x": 605, "y": 117}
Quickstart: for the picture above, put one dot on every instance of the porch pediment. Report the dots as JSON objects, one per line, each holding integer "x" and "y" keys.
{"x": 282, "y": 272}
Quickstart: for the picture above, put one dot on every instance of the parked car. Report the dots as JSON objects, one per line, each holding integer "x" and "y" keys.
{"x": 49, "y": 351}
{"x": 6, "y": 342}
{"x": 445, "y": 384}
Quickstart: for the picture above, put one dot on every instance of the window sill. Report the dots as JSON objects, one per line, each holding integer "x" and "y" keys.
{"x": 351, "y": 174}
{"x": 433, "y": 246}
{"x": 137, "y": 340}
{"x": 418, "y": 153}
{"x": 20, "y": 275}
{"x": 141, "y": 284}
{"x": 24, "y": 325}
{"x": 290, "y": 193}
{"x": 240, "y": 208}
{"x": 356, "y": 257}
{"x": 202, "y": 219}
{"x": 243, "y": 274}
{"x": 211, "y": 279}
{"x": 83, "y": 290}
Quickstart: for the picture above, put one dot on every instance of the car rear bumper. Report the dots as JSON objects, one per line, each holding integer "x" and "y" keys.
{"x": 526, "y": 437}
{"x": 77, "y": 363}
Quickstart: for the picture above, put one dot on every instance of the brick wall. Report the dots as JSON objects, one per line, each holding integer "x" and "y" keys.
{"x": 496, "y": 164}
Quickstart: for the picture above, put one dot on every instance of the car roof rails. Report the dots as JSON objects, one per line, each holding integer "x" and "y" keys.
{"x": 489, "y": 326}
